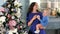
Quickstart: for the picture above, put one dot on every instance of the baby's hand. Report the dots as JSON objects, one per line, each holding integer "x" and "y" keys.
{"x": 38, "y": 17}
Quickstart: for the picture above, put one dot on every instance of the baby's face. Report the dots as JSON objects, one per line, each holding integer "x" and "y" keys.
{"x": 45, "y": 13}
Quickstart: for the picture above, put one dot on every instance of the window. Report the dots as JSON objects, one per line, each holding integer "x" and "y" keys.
{"x": 2, "y": 2}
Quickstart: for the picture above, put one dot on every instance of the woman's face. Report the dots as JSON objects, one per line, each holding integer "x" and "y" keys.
{"x": 35, "y": 6}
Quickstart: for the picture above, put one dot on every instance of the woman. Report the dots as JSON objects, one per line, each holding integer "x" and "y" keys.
{"x": 32, "y": 19}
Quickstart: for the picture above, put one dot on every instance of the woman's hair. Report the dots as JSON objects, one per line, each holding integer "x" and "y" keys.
{"x": 30, "y": 9}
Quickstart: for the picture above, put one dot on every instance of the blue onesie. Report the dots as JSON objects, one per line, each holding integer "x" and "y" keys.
{"x": 44, "y": 20}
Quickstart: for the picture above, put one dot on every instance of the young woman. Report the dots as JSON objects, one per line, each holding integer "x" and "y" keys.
{"x": 32, "y": 19}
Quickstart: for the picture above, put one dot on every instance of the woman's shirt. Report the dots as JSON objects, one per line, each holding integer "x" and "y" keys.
{"x": 35, "y": 22}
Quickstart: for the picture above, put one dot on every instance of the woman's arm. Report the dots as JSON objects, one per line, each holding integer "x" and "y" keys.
{"x": 30, "y": 22}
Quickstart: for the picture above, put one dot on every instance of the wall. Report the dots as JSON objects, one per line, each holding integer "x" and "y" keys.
{"x": 25, "y": 4}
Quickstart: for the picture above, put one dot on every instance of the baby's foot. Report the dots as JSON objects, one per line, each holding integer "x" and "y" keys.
{"x": 37, "y": 31}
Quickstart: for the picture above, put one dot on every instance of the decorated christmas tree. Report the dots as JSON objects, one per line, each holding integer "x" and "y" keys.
{"x": 10, "y": 14}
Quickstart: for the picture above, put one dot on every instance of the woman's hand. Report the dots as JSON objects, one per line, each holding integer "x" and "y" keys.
{"x": 38, "y": 17}
{"x": 34, "y": 17}
{"x": 31, "y": 21}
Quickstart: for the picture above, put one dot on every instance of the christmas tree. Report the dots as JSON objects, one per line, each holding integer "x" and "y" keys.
{"x": 11, "y": 12}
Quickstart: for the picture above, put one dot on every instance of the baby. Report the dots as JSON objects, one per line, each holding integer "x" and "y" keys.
{"x": 43, "y": 21}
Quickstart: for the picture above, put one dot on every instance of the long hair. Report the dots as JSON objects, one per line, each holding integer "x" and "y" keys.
{"x": 30, "y": 9}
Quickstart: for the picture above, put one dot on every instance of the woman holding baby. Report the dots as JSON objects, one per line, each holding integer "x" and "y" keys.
{"x": 35, "y": 19}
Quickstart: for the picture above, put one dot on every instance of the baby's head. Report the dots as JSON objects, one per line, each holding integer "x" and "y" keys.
{"x": 45, "y": 12}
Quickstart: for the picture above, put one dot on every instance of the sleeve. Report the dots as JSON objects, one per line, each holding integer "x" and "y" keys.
{"x": 44, "y": 21}
{"x": 41, "y": 16}
{"x": 27, "y": 19}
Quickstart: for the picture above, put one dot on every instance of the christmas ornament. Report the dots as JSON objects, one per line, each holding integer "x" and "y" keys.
{"x": 1, "y": 13}
{"x": 18, "y": 14}
{"x": 17, "y": 4}
{"x": 9, "y": 16}
{"x": 13, "y": 10}
{"x": 6, "y": 10}
{"x": 2, "y": 9}
{"x": 2, "y": 29}
{"x": 2, "y": 19}
{"x": 12, "y": 23}
{"x": 9, "y": 6}
{"x": 13, "y": 17}
{"x": 13, "y": 31}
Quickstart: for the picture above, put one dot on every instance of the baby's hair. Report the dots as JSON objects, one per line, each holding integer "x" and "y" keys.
{"x": 46, "y": 9}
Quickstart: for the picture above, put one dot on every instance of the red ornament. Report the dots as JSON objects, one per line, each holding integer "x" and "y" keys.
{"x": 2, "y": 9}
